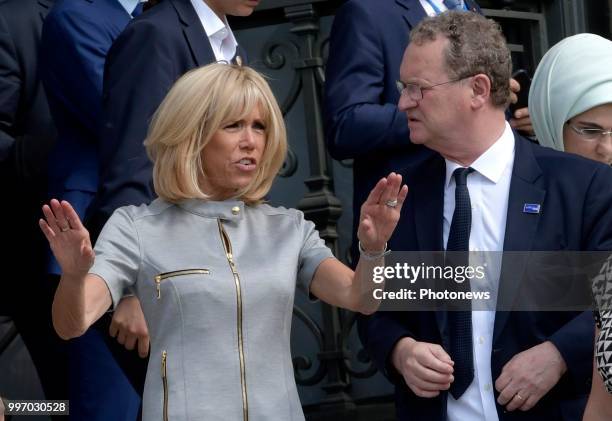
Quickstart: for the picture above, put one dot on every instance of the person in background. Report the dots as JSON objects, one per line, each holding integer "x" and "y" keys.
{"x": 486, "y": 189}
{"x": 27, "y": 133}
{"x": 362, "y": 121}
{"x": 214, "y": 267}
{"x": 570, "y": 105}
{"x": 75, "y": 40}
{"x": 571, "y": 109}
{"x": 149, "y": 56}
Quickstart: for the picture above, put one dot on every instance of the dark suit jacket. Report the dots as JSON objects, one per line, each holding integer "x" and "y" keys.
{"x": 362, "y": 121}
{"x": 153, "y": 52}
{"x": 26, "y": 129}
{"x": 72, "y": 76}
{"x": 26, "y": 135}
{"x": 576, "y": 199}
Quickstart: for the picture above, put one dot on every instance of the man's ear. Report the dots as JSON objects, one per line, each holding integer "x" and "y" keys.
{"x": 481, "y": 90}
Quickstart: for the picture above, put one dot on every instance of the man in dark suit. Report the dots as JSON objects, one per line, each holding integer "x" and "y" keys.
{"x": 485, "y": 188}
{"x": 26, "y": 135}
{"x": 76, "y": 38}
{"x": 362, "y": 121}
{"x": 151, "y": 54}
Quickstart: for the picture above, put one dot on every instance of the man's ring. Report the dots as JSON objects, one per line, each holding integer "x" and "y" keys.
{"x": 391, "y": 203}
{"x": 519, "y": 397}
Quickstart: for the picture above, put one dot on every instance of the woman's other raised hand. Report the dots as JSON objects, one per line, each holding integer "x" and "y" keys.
{"x": 380, "y": 212}
{"x": 68, "y": 238}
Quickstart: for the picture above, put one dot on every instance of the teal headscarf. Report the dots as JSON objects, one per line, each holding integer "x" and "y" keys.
{"x": 574, "y": 76}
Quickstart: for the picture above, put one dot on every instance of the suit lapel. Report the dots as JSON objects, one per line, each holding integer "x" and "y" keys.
{"x": 44, "y": 6}
{"x": 521, "y": 227}
{"x": 428, "y": 195}
{"x": 413, "y": 12}
{"x": 115, "y": 11}
{"x": 194, "y": 33}
{"x": 428, "y": 198}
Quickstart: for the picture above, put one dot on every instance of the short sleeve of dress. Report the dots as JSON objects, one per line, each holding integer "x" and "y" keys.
{"x": 118, "y": 254}
{"x": 312, "y": 253}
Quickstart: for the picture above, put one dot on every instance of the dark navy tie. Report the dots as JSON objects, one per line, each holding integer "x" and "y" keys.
{"x": 453, "y": 4}
{"x": 460, "y": 321}
{"x": 138, "y": 9}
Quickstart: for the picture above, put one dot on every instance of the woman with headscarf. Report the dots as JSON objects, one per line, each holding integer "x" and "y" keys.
{"x": 570, "y": 103}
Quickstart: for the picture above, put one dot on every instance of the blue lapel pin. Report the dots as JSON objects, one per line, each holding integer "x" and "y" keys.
{"x": 531, "y": 208}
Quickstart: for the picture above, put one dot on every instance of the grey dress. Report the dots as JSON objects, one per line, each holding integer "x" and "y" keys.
{"x": 216, "y": 282}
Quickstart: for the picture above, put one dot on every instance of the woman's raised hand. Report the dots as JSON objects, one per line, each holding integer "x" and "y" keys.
{"x": 68, "y": 238}
{"x": 380, "y": 212}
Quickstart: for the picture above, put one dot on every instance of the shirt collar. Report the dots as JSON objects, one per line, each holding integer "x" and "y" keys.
{"x": 435, "y": 7}
{"x": 492, "y": 163}
{"x": 213, "y": 26}
{"x": 130, "y": 5}
{"x": 229, "y": 210}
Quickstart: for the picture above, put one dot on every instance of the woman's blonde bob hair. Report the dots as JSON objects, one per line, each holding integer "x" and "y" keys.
{"x": 201, "y": 102}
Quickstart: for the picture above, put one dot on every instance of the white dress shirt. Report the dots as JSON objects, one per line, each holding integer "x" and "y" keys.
{"x": 219, "y": 33}
{"x": 489, "y": 187}
{"x": 130, "y": 5}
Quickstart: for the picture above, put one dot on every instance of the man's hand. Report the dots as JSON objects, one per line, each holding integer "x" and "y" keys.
{"x": 427, "y": 368}
{"x": 129, "y": 326}
{"x": 520, "y": 119}
{"x": 529, "y": 375}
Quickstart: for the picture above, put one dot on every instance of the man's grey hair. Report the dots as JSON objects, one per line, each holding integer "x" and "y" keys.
{"x": 476, "y": 45}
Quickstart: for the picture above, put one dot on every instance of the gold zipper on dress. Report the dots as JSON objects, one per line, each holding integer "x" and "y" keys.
{"x": 164, "y": 375}
{"x": 227, "y": 246}
{"x": 159, "y": 278}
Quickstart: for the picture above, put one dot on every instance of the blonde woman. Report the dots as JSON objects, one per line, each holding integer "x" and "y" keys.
{"x": 214, "y": 267}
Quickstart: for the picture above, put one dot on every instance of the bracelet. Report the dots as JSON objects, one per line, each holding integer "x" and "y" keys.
{"x": 372, "y": 256}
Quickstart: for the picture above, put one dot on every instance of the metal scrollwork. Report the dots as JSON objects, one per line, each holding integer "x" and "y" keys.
{"x": 302, "y": 363}
{"x": 290, "y": 165}
{"x": 362, "y": 356}
{"x": 275, "y": 59}
{"x": 322, "y": 49}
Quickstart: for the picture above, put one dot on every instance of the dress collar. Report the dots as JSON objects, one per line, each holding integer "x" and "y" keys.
{"x": 229, "y": 210}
